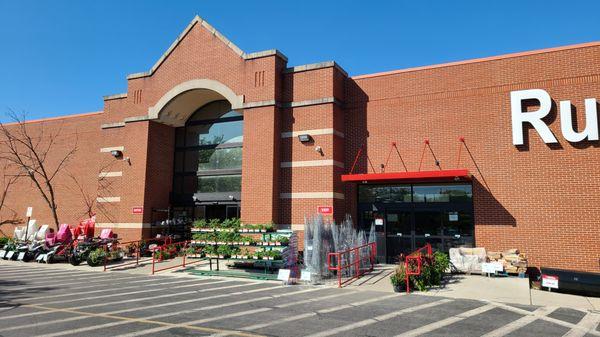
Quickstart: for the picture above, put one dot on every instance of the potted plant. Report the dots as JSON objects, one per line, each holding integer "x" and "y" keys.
{"x": 223, "y": 251}
{"x": 398, "y": 278}
{"x": 96, "y": 257}
{"x": 244, "y": 253}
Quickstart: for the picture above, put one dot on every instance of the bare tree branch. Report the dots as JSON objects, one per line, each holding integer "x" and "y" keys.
{"x": 31, "y": 155}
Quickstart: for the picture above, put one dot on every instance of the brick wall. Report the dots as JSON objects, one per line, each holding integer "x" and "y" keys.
{"x": 80, "y": 132}
{"x": 538, "y": 198}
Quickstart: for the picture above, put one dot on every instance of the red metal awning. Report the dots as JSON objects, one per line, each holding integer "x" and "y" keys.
{"x": 414, "y": 176}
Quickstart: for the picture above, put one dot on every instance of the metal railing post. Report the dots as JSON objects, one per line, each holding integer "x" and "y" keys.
{"x": 184, "y": 253}
{"x": 105, "y": 256}
{"x": 153, "y": 258}
{"x": 339, "y": 269}
{"x": 357, "y": 262}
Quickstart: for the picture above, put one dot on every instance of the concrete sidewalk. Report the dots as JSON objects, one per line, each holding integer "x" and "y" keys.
{"x": 495, "y": 289}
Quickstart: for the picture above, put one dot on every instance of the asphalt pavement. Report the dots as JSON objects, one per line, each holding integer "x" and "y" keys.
{"x": 47, "y": 301}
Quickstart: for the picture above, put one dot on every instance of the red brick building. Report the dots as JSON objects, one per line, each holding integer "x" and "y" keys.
{"x": 212, "y": 131}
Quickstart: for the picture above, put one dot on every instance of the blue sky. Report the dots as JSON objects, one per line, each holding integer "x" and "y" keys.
{"x": 60, "y": 57}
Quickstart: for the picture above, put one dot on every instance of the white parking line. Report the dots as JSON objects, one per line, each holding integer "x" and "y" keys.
{"x": 542, "y": 317}
{"x": 62, "y": 284}
{"x": 138, "y": 309}
{"x": 450, "y": 320}
{"x": 212, "y": 307}
{"x": 587, "y": 325}
{"x": 49, "y": 311}
{"x": 202, "y": 299}
{"x": 194, "y": 284}
{"x": 55, "y": 273}
{"x": 519, "y": 323}
{"x": 111, "y": 286}
{"x": 127, "y": 321}
{"x": 377, "y": 319}
{"x": 200, "y": 321}
{"x": 311, "y": 314}
{"x": 163, "y": 305}
{"x": 98, "y": 287}
{"x": 63, "y": 273}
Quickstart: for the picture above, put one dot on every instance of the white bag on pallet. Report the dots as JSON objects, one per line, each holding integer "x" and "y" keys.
{"x": 467, "y": 260}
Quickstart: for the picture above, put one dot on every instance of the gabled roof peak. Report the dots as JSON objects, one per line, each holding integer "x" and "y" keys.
{"x": 198, "y": 20}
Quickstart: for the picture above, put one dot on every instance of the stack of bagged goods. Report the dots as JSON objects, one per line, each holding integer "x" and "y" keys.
{"x": 513, "y": 261}
{"x": 467, "y": 260}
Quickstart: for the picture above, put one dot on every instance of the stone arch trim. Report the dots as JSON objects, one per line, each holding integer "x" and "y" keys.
{"x": 237, "y": 101}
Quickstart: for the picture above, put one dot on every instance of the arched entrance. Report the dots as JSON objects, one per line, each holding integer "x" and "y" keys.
{"x": 207, "y": 169}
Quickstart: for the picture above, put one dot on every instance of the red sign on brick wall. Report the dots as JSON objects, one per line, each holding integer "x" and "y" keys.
{"x": 137, "y": 210}
{"x": 325, "y": 209}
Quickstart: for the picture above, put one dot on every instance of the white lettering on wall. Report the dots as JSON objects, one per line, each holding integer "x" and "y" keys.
{"x": 519, "y": 117}
{"x": 591, "y": 122}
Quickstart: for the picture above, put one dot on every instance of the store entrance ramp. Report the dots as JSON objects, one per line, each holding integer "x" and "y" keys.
{"x": 376, "y": 280}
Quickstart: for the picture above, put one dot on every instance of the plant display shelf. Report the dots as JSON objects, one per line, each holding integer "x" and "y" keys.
{"x": 235, "y": 244}
{"x": 232, "y": 230}
{"x": 227, "y": 273}
{"x": 266, "y": 265}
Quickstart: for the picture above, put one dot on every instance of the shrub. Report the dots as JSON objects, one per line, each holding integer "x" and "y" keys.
{"x": 96, "y": 257}
{"x": 3, "y": 241}
{"x": 398, "y": 278}
{"x": 433, "y": 268}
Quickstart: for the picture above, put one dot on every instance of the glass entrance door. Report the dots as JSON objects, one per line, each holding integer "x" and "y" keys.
{"x": 407, "y": 217}
{"x": 428, "y": 229}
{"x": 399, "y": 234}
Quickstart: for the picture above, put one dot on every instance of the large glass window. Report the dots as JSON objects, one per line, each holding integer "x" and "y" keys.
{"x": 384, "y": 193}
{"x": 442, "y": 193}
{"x": 208, "y": 151}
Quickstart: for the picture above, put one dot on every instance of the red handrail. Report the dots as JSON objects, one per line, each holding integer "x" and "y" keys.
{"x": 137, "y": 244}
{"x": 355, "y": 251}
{"x": 183, "y": 247}
{"x": 415, "y": 256}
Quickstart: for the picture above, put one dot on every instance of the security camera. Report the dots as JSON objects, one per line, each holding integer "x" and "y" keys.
{"x": 116, "y": 153}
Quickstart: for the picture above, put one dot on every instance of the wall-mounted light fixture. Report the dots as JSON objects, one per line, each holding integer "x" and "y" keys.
{"x": 319, "y": 150}
{"x": 304, "y": 138}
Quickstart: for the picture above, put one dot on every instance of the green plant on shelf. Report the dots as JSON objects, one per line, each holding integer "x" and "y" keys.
{"x": 200, "y": 224}
{"x": 233, "y": 223}
{"x": 245, "y": 253}
{"x": 231, "y": 236}
{"x": 247, "y": 240}
{"x": 193, "y": 251}
{"x": 214, "y": 223}
{"x": 224, "y": 251}
{"x": 273, "y": 255}
{"x": 210, "y": 250}
{"x": 283, "y": 240}
{"x": 162, "y": 254}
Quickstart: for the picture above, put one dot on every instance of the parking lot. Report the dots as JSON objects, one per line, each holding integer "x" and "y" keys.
{"x": 49, "y": 301}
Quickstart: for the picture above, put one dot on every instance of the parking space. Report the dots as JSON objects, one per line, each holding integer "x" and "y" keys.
{"x": 50, "y": 301}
